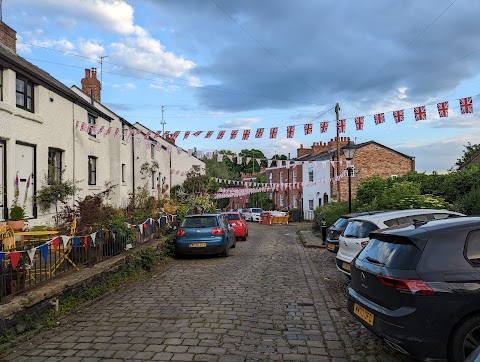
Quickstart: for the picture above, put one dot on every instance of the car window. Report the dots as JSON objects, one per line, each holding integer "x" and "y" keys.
{"x": 341, "y": 223}
{"x": 473, "y": 247}
{"x": 407, "y": 219}
{"x": 257, "y": 210}
{"x": 200, "y": 222}
{"x": 395, "y": 254}
{"x": 233, "y": 217}
{"x": 359, "y": 229}
{"x": 444, "y": 215}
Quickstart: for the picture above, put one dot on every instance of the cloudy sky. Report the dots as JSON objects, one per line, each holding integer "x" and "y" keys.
{"x": 217, "y": 64}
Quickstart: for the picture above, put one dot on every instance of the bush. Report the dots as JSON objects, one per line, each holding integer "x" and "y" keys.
{"x": 331, "y": 212}
{"x": 470, "y": 203}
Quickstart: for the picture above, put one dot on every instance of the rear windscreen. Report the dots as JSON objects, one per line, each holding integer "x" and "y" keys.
{"x": 359, "y": 229}
{"x": 341, "y": 223}
{"x": 200, "y": 222}
{"x": 233, "y": 217}
{"x": 257, "y": 210}
{"x": 400, "y": 254}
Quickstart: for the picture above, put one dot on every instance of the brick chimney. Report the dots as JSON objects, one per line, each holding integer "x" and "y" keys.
{"x": 91, "y": 85}
{"x": 8, "y": 37}
{"x": 170, "y": 139}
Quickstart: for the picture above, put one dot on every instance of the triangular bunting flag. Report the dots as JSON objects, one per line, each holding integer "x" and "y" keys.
{"x": 85, "y": 243}
{"x": 14, "y": 257}
{"x": 65, "y": 239}
{"x": 31, "y": 254}
{"x": 76, "y": 240}
{"x": 93, "y": 236}
{"x": 55, "y": 242}
{"x": 44, "y": 251}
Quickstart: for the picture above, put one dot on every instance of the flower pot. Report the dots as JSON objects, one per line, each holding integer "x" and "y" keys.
{"x": 16, "y": 225}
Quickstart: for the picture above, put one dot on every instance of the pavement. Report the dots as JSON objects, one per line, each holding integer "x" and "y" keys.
{"x": 268, "y": 301}
{"x": 310, "y": 240}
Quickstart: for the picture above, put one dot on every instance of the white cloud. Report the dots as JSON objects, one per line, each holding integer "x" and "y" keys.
{"x": 240, "y": 123}
{"x": 124, "y": 86}
{"x": 91, "y": 49}
{"x": 63, "y": 45}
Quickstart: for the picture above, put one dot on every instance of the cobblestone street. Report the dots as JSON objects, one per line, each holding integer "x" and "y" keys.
{"x": 271, "y": 300}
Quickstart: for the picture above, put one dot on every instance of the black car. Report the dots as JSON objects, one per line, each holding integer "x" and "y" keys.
{"x": 418, "y": 288}
{"x": 334, "y": 231}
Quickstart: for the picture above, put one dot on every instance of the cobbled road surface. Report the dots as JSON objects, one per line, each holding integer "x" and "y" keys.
{"x": 270, "y": 300}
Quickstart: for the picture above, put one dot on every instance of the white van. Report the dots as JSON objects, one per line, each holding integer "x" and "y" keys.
{"x": 355, "y": 236}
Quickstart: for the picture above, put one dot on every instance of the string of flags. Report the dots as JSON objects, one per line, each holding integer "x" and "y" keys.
{"x": 226, "y": 193}
{"x": 84, "y": 241}
{"x": 419, "y": 114}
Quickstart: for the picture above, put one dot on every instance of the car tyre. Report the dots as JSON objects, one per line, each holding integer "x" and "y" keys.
{"x": 461, "y": 343}
{"x": 226, "y": 252}
{"x": 234, "y": 245}
{"x": 244, "y": 238}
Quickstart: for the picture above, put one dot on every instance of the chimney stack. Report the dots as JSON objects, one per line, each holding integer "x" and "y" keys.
{"x": 91, "y": 84}
{"x": 8, "y": 37}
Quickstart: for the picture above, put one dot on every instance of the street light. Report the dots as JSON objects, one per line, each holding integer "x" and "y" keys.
{"x": 349, "y": 151}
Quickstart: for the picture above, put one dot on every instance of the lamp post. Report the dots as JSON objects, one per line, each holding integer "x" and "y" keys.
{"x": 349, "y": 151}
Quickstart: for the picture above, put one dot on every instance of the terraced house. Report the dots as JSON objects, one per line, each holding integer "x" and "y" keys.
{"x": 40, "y": 137}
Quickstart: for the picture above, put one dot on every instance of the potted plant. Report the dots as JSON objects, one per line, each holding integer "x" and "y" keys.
{"x": 17, "y": 212}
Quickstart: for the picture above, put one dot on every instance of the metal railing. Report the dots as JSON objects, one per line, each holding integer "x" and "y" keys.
{"x": 48, "y": 261}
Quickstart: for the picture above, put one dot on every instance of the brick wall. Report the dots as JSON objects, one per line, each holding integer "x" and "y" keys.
{"x": 371, "y": 160}
{"x": 91, "y": 83}
{"x": 8, "y": 37}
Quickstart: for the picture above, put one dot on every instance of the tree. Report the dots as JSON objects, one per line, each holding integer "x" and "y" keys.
{"x": 469, "y": 153}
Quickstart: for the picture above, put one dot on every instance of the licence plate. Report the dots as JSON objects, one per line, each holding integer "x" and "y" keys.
{"x": 198, "y": 245}
{"x": 363, "y": 314}
{"x": 330, "y": 246}
{"x": 346, "y": 266}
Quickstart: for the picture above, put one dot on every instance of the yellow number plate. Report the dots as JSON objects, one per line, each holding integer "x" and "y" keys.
{"x": 346, "y": 266}
{"x": 330, "y": 246}
{"x": 198, "y": 245}
{"x": 363, "y": 314}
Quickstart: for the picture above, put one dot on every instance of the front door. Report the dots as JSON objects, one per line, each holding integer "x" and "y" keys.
{"x": 3, "y": 191}
{"x": 25, "y": 170}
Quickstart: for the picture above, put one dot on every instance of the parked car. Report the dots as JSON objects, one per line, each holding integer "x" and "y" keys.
{"x": 355, "y": 235}
{"x": 204, "y": 234}
{"x": 239, "y": 225}
{"x": 334, "y": 231}
{"x": 418, "y": 288}
{"x": 253, "y": 214}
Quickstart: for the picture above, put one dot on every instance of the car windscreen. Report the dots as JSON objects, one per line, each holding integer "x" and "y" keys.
{"x": 359, "y": 229}
{"x": 233, "y": 217}
{"x": 256, "y": 210}
{"x": 200, "y": 222}
{"x": 392, "y": 253}
{"x": 341, "y": 223}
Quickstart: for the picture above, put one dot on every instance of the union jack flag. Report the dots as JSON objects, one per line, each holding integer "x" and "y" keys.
{"x": 220, "y": 135}
{"x": 420, "y": 113}
{"x": 259, "y": 133}
{"x": 157, "y": 134}
{"x": 442, "y": 109}
{"x": 175, "y": 135}
{"x": 466, "y": 105}
{"x": 166, "y": 134}
{"x": 359, "y": 123}
{"x": 233, "y": 134}
{"x": 273, "y": 132}
{"x": 246, "y": 134}
{"x": 209, "y": 134}
{"x": 341, "y": 124}
{"x": 308, "y": 128}
{"x": 290, "y": 131}
{"x": 399, "y": 116}
{"x": 379, "y": 118}
{"x": 185, "y": 136}
{"x": 323, "y": 127}
{"x": 198, "y": 133}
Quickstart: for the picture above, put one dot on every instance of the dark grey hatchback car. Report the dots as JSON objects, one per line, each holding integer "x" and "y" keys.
{"x": 418, "y": 288}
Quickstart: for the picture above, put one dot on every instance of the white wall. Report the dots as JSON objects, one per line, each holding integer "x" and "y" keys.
{"x": 318, "y": 187}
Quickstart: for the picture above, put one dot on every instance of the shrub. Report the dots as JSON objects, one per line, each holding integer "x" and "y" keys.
{"x": 470, "y": 203}
{"x": 331, "y": 212}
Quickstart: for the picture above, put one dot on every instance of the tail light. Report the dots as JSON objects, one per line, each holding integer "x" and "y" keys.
{"x": 217, "y": 231}
{"x": 180, "y": 232}
{"x": 364, "y": 244}
{"x": 407, "y": 286}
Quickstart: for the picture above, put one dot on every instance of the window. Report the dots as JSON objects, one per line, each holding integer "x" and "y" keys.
{"x": 91, "y": 122}
{"x": 152, "y": 150}
{"x": 294, "y": 176}
{"x": 473, "y": 247}
{"x": 270, "y": 195}
{"x": 92, "y": 170}
{"x": 280, "y": 200}
{"x": 123, "y": 172}
{"x": 54, "y": 165}
{"x": 24, "y": 93}
{"x": 270, "y": 177}
{"x": 359, "y": 229}
{"x": 398, "y": 253}
{"x": 153, "y": 180}
{"x": 281, "y": 177}
{"x": 295, "y": 201}
{"x": 352, "y": 172}
{"x": 310, "y": 175}
{"x": 310, "y": 204}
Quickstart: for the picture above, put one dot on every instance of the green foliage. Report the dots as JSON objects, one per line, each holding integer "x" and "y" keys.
{"x": 369, "y": 190}
{"x": 55, "y": 191}
{"x": 470, "y": 203}
{"x": 169, "y": 245}
{"x": 17, "y": 213}
{"x": 331, "y": 212}
{"x": 117, "y": 224}
{"x": 469, "y": 153}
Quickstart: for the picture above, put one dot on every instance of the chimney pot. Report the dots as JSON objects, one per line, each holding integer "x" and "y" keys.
{"x": 87, "y": 73}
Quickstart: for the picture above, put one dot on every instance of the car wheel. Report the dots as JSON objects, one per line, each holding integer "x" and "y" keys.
{"x": 226, "y": 252}
{"x": 244, "y": 238}
{"x": 465, "y": 340}
{"x": 234, "y": 245}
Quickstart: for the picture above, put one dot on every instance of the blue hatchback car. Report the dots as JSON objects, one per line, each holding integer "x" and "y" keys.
{"x": 204, "y": 234}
